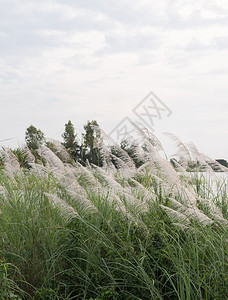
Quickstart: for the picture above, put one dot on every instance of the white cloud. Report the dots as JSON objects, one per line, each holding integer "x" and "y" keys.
{"x": 80, "y": 60}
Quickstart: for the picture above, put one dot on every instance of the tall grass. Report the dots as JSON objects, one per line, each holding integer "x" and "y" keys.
{"x": 74, "y": 232}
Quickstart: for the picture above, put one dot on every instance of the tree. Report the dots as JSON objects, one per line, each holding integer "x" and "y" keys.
{"x": 70, "y": 142}
{"x": 222, "y": 162}
{"x": 91, "y": 138}
{"x": 131, "y": 149}
{"x": 69, "y": 136}
{"x": 34, "y": 137}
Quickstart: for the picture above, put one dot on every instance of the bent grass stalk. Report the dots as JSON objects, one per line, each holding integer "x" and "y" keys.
{"x": 92, "y": 233}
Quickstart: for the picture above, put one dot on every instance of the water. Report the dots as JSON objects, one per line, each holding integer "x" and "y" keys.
{"x": 213, "y": 182}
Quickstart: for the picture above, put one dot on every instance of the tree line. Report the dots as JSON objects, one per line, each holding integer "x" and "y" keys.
{"x": 87, "y": 147}
{"x": 83, "y": 151}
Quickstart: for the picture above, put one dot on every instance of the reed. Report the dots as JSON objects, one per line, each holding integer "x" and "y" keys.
{"x": 73, "y": 232}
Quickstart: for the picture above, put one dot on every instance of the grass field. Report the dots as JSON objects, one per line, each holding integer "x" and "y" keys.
{"x": 74, "y": 232}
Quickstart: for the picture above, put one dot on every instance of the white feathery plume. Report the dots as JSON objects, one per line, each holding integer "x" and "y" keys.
{"x": 209, "y": 204}
{"x": 207, "y": 162}
{"x": 125, "y": 157}
{"x": 123, "y": 196}
{"x": 148, "y": 136}
{"x": 66, "y": 209}
{"x": 195, "y": 213}
{"x": 134, "y": 203}
{"x": 180, "y": 168}
{"x": 189, "y": 194}
{"x": 168, "y": 171}
{"x": 3, "y": 191}
{"x": 191, "y": 212}
{"x": 105, "y": 154}
{"x": 215, "y": 164}
{"x": 220, "y": 219}
{"x": 121, "y": 153}
{"x": 50, "y": 157}
{"x": 109, "y": 167}
{"x": 156, "y": 182}
{"x": 160, "y": 165}
{"x": 138, "y": 151}
{"x": 164, "y": 176}
{"x": 200, "y": 158}
{"x": 38, "y": 169}
{"x": 180, "y": 145}
{"x": 151, "y": 169}
{"x": 160, "y": 187}
{"x": 60, "y": 151}
{"x": 119, "y": 205}
{"x": 119, "y": 162}
{"x": 175, "y": 216}
{"x": 75, "y": 170}
{"x": 138, "y": 154}
{"x": 111, "y": 170}
{"x": 126, "y": 214}
{"x": 150, "y": 151}
{"x": 114, "y": 198}
{"x": 158, "y": 179}
{"x": 68, "y": 171}
{"x": 143, "y": 192}
{"x": 182, "y": 151}
{"x": 70, "y": 184}
{"x": 82, "y": 201}
{"x": 87, "y": 175}
{"x": 108, "y": 180}
{"x": 11, "y": 158}
{"x": 120, "y": 177}
{"x": 69, "y": 176}
{"x": 10, "y": 161}
{"x": 124, "y": 173}
{"x": 177, "y": 205}
{"x": 148, "y": 167}
{"x": 187, "y": 197}
{"x": 217, "y": 214}
{"x": 29, "y": 157}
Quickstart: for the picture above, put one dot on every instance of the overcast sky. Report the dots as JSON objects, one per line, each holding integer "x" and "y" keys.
{"x": 82, "y": 60}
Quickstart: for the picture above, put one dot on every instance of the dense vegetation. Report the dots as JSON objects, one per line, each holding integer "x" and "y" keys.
{"x": 71, "y": 230}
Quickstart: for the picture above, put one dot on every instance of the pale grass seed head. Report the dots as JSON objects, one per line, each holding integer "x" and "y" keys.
{"x": 176, "y": 216}
{"x": 66, "y": 210}
{"x": 52, "y": 159}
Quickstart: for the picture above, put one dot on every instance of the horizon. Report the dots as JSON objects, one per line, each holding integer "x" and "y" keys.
{"x": 168, "y": 145}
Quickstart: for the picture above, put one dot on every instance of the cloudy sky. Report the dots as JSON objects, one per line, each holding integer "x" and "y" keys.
{"x": 80, "y": 60}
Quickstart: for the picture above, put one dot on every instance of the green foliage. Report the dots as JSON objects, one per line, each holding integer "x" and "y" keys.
{"x": 70, "y": 142}
{"x": 1, "y": 163}
{"x": 7, "y": 286}
{"x": 18, "y": 152}
{"x": 69, "y": 135}
{"x": 131, "y": 150}
{"x": 45, "y": 293}
{"x": 106, "y": 294}
{"x": 223, "y": 162}
{"x": 90, "y": 145}
{"x": 34, "y": 137}
{"x": 113, "y": 251}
